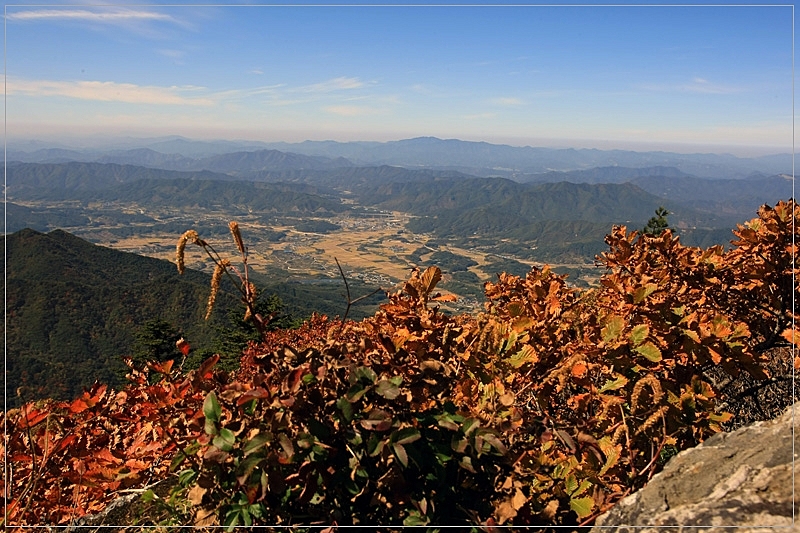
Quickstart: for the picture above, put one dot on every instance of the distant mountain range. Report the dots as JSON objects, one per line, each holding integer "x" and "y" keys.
{"x": 234, "y": 163}
{"x": 453, "y": 202}
{"x": 477, "y": 158}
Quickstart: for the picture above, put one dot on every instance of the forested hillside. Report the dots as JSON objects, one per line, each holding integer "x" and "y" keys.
{"x": 74, "y": 310}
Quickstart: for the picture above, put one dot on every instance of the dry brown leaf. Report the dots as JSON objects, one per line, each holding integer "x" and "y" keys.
{"x": 196, "y": 494}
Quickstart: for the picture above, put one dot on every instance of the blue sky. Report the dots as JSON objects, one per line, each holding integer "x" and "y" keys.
{"x": 631, "y": 77}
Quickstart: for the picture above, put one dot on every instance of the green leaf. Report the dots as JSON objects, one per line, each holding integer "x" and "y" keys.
{"x": 257, "y": 510}
{"x": 256, "y": 443}
{"x": 375, "y": 445}
{"x": 387, "y": 389}
{"x": 571, "y": 484}
{"x": 346, "y": 408}
{"x": 582, "y": 506}
{"x": 211, "y": 408}
{"x": 225, "y": 440}
{"x": 231, "y": 519}
{"x": 414, "y": 518}
{"x": 447, "y": 422}
{"x": 613, "y": 328}
{"x": 649, "y": 351}
{"x": 615, "y": 384}
{"x": 148, "y": 496}
{"x": 470, "y": 425}
{"x": 176, "y": 461}
{"x": 186, "y": 477}
{"x": 492, "y": 439}
{"x": 643, "y": 292}
{"x": 406, "y": 436}
{"x": 250, "y": 406}
{"x": 377, "y": 420}
{"x": 525, "y": 355}
{"x": 400, "y": 453}
{"x": 692, "y": 335}
{"x": 246, "y": 468}
{"x": 365, "y": 373}
{"x": 585, "y": 485}
{"x": 466, "y": 464}
{"x": 639, "y": 334}
{"x": 459, "y": 445}
{"x": 612, "y": 456}
{"x": 356, "y": 392}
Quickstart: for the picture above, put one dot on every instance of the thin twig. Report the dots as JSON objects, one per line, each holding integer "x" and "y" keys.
{"x": 347, "y": 288}
{"x": 628, "y": 443}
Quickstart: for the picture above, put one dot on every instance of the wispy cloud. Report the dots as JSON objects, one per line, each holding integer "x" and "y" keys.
{"x": 480, "y": 116}
{"x": 109, "y": 91}
{"x": 176, "y": 55}
{"x": 86, "y": 15}
{"x": 507, "y": 101}
{"x": 696, "y": 85}
{"x": 336, "y": 84}
{"x": 351, "y": 110}
{"x": 700, "y": 85}
{"x": 145, "y": 23}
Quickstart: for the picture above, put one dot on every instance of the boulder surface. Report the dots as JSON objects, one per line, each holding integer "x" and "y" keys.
{"x": 745, "y": 479}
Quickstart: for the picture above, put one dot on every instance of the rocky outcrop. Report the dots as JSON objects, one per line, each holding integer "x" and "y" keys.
{"x": 743, "y": 479}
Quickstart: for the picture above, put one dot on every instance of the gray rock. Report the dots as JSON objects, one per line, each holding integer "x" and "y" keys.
{"x": 744, "y": 479}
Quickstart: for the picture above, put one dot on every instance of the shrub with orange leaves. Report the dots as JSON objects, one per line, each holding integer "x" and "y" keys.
{"x": 544, "y": 410}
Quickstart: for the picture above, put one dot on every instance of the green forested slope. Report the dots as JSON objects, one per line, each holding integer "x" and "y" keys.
{"x": 74, "y": 309}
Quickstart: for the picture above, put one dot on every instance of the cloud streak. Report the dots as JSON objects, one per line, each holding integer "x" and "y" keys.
{"x": 336, "y": 84}
{"x": 350, "y": 110}
{"x": 507, "y": 101}
{"x": 697, "y": 86}
{"x": 86, "y": 15}
{"x": 108, "y": 91}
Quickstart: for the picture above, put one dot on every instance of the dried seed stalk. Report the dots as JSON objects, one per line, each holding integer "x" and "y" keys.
{"x": 652, "y": 419}
{"x": 215, "y": 279}
{"x": 179, "y": 252}
{"x": 655, "y": 386}
{"x": 237, "y": 236}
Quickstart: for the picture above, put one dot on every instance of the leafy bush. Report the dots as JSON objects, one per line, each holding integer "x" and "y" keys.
{"x": 544, "y": 410}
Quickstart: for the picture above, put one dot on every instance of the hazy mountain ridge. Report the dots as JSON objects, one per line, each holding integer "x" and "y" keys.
{"x": 19, "y": 217}
{"x": 430, "y": 152}
{"x": 82, "y": 176}
{"x": 601, "y": 175}
{"x": 437, "y": 153}
{"x": 694, "y": 201}
{"x": 233, "y": 163}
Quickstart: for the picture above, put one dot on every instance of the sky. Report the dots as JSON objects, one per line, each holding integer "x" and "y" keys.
{"x": 679, "y": 78}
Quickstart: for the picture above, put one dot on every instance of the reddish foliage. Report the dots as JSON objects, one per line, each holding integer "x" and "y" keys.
{"x": 544, "y": 410}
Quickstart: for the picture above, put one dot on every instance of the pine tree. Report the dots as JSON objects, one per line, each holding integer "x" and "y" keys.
{"x": 155, "y": 341}
{"x": 657, "y": 224}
